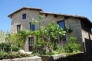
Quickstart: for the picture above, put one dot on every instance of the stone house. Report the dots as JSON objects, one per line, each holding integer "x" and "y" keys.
{"x": 81, "y": 26}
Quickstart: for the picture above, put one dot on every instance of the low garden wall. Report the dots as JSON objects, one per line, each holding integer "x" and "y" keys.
{"x": 35, "y": 58}
{"x": 76, "y": 57}
{"x": 52, "y": 57}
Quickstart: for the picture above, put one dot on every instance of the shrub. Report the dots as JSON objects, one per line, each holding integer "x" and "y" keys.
{"x": 49, "y": 53}
{"x": 3, "y": 55}
{"x": 5, "y": 47}
{"x": 15, "y": 48}
{"x": 72, "y": 46}
{"x": 11, "y": 55}
{"x": 60, "y": 49}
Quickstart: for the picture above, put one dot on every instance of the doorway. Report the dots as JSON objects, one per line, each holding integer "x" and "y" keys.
{"x": 31, "y": 43}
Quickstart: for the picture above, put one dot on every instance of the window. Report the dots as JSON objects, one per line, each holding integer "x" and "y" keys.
{"x": 61, "y": 24}
{"x": 18, "y": 28}
{"x": 32, "y": 27}
{"x": 24, "y": 16}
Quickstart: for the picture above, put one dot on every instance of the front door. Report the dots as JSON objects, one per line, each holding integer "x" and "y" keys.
{"x": 31, "y": 43}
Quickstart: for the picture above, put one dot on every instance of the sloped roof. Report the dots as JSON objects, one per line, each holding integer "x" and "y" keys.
{"x": 42, "y": 12}
{"x": 23, "y": 9}
{"x": 83, "y": 18}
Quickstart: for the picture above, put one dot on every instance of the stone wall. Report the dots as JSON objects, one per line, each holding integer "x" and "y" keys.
{"x": 32, "y": 15}
{"x": 75, "y": 25}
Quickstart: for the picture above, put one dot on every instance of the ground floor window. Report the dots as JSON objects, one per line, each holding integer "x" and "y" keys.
{"x": 18, "y": 28}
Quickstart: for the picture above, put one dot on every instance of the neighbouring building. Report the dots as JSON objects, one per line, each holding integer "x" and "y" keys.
{"x": 81, "y": 26}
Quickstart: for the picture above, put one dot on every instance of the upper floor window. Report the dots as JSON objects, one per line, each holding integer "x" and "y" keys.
{"x": 18, "y": 28}
{"x": 32, "y": 27}
{"x": 24, "y": 16}
{"x": 61, "y": 24}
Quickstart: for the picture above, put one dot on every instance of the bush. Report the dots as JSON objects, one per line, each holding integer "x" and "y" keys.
{"x": 3, "y": 55}
{"x": 60, "y": 49}
{"x": 11, "y": 55}
{"x": 72, "y": 46}
{"x": 15, "y": 48}
{"x": 5, "y": 47}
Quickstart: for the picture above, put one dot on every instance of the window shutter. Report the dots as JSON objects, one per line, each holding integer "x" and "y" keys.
{"x": 32, "y": 27}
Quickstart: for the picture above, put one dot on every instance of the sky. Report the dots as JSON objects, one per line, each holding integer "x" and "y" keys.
{"x": 72, "y": 7}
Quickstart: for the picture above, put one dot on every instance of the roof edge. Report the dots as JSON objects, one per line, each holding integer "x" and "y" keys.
{"x": 10, "y": 15}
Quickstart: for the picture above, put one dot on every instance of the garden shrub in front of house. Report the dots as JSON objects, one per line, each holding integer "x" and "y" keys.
{"x": 11, "y": 55}
{"x": 48, "y": 36}
{"x": 72, "y": 45}
{"x": 5, "y": 47}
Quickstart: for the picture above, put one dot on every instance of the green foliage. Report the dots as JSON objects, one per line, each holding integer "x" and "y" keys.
{"x": 60, "y": 49}
{"x": 15, "y": 48}
{"x": 73, "y": 39}
{"x": 48, "y": 36}
{"x": 3, "y": 55}
{"x": 17, "y": 40}
{"x": 5, "y": 47}
{"x": 68, "y": 29}
{"x": 11, "y": 55}
{"x": 23, "y": 34}
{"x": 2, "y": 36}
{"x": 49, "y": 53}
{"x": 72, "y": 46}
{"x": 14, "y": 40}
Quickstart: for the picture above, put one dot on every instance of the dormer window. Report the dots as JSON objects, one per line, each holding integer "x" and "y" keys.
{"x": 24, "y": 16}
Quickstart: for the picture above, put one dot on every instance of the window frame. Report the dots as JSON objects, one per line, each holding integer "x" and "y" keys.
{"x": 24, "y": 16}
{"x": 18, "y": 27}
{"x": 31, "y": 41}
{"x": 31, "y": 28}
{"x": 62, "y": 28}
{"x": 61, "y": 21}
